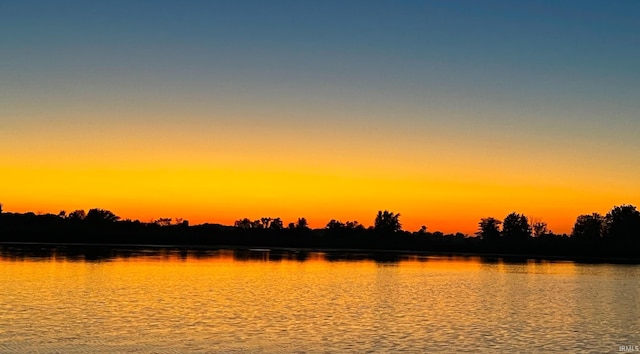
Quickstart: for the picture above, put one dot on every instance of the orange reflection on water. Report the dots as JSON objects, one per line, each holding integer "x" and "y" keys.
{"x": 531, "y": 266}
{"x": 160, "y": 300}
{"x": 443, "y": 263}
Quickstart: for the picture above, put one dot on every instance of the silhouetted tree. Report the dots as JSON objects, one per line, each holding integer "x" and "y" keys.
{"x": 489, "y": 229}
{"x": 516, "y": 227}
{"x": 163, "y": 222}
{"x": 276, "y": 224}
{"x": 77, "y": 215}
{"x": 615, "y": 236}
{"x": 101, "y": 216}
{"x": 302, "y": 224}
{"x": 354, "y": 225}
{"x": 266, "y": 222}
{"x": 243, "y": 223}
{"x": 538, "y": 228}
{"x": 623, "y": 223}
{"x": 588, "y": 227}
{"x": 335, "y": 225}
{"x": 262, "y": 223}
{"x": 387, "y": 222}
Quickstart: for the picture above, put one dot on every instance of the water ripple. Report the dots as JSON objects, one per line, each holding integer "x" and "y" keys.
{"x": 221, "y": 305}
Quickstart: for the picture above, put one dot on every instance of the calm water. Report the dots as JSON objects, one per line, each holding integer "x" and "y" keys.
{"x": 250, "y": 301}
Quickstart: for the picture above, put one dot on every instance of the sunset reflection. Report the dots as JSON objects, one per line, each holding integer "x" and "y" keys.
{"x": 275, "y": 300}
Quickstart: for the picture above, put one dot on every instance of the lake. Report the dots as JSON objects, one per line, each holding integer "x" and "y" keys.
{"x": 66, "y": 300}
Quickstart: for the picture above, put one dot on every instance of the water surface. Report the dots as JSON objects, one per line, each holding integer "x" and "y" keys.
{"x": 170, "y": 301}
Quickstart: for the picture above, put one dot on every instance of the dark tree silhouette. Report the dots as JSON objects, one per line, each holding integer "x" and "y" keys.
{"x": 163, "y": 222}
{"x": 516, "y": 227}
{"x": 588, "y": 227}
{"x": 276, "y": 224}
{"x": 539, "y": 228}
{"x": 353, "y": 225}
{"x": 623, "y": 223}
{"x": 335, "y": 225}
{"x": 489, "y": 229}
{"x": 77, "y": 215}
{"x": 262, "y": 223}
{"x": 270, "y": 223}
{"x": 301, "y": 224}
{"x": 387, "y": 222}
{"x": 349, "y": 225}
{"x": 266, "y": 222}
{"x": 101, "y": 216}
{"x": 243, "y": 224}
{"x": 616, "y": 236}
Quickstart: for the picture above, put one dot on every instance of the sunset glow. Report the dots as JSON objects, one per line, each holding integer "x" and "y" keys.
{"x": 214, "y": 112}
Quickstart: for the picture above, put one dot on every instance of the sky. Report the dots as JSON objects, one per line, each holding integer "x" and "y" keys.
{"x": 212, "y": 111}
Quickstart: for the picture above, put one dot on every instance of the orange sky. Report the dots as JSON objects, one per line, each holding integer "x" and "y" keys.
{"x": 221, "y": 180}
{"x": 440, "y": 111}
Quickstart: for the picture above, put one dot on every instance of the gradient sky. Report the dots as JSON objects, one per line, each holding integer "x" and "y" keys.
{"x": 443, "y": 111}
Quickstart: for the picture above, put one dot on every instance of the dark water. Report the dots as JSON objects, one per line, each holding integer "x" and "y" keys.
{"x": 163, "y": 301}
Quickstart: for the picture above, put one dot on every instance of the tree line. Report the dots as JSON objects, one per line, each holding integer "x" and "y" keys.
{"x": 622, "y": 223}
{"x": 613, "y": 235}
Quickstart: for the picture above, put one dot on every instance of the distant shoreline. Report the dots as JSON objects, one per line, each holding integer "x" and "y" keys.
{"x": 613, "y": 238}
{"x": 258, "y": 248}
